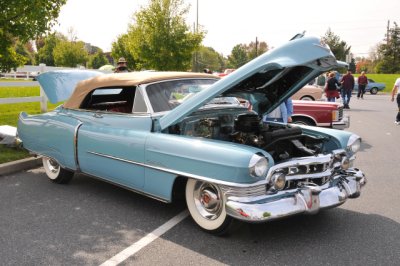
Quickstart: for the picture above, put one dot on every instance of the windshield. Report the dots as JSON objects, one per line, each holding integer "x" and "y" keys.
{"x": 165, "y": 96}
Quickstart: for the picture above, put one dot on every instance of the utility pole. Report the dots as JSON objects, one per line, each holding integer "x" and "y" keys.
{"x": 194, "y": 54}
{"x": 387, "y": 33}
{"x": 197, "y": 16}
{"x": 197, "y": 31}
{"x": 256, "y": 47}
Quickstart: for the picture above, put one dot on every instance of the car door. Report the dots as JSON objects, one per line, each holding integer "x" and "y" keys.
{"x": 111, "y": 143}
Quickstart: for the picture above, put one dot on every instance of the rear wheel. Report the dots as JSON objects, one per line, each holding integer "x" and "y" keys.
{"x": 207, "y": 207}
{"x": 55, "y": 172}
{"x": 307, "y": 98}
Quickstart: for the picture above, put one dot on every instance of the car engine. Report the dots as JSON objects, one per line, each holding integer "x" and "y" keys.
{"x": 283, "y": 142}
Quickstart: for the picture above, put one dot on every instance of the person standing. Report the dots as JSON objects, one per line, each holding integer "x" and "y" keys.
{"x": 396, "y": 91}
{"x": 362, "y": 84}
{"x": 121, "y": 66}
{"x": 331, "y": 89}
{"x": 347, "y": 82}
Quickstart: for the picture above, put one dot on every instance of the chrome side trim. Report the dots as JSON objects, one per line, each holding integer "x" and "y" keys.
{"x": 181, "y": 173}
{"x": 66, "y": 111}
{"x": 255, "y": 185}
{"x": 78, "y": 169}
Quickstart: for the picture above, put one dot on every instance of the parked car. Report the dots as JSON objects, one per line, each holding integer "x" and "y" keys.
{"x": 226, "y": 72}
{"x": 322, "y": 114}
{"x": 372, "y": 87}
{"x": 157, "y": 133}
{"x": 310, "y": 93}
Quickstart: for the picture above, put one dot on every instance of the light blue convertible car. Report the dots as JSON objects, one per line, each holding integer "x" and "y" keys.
{"x": 170, "y": 134}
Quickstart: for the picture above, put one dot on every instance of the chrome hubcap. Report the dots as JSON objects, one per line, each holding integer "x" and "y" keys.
{"x": 208, "y": 200}
{"x": 53, "y": 166}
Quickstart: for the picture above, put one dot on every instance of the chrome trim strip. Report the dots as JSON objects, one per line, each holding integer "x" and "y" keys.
{"x": 180, "y": 173}
{"x": 326, "y": 173}
{"x": 78, "y": 169}
{"x": 66, "y": 111}
{"x": 324, "y": 124}
{"x": 297, "y": 162}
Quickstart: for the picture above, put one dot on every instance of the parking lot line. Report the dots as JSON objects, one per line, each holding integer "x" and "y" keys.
{"x": 135, "y": 247}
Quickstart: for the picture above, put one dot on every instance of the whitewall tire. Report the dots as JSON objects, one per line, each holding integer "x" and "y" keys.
{"x": 206, "y": 205}
{"x": 55, "y": 172}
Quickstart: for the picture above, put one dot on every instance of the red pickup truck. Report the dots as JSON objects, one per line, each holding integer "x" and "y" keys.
{"x": 323, "y": 114}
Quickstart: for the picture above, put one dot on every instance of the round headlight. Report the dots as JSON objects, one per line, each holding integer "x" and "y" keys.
{"x": 354, "y": 143}
{"x": 345, "y": 163}
{"x": 278, "y": 181}
{"x": 258, "y": 166}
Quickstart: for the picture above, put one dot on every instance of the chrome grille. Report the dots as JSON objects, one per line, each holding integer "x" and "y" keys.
{"x": 317, "y": 170}
{"x": 340, "y": 113}
{"x": 319, "y": 181}
{"x": 253, "y": 191}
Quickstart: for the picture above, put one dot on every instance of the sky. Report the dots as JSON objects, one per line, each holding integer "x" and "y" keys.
{"x": 361, "y": 24}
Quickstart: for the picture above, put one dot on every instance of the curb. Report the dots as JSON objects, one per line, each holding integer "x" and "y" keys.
{"x": 20, "y": 165}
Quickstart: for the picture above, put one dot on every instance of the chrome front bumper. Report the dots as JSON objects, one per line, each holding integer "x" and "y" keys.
{"x": 342, "y": 124}
{"x": 308, "y": 199}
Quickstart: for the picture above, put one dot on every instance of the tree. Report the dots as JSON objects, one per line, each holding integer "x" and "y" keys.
{"x": 238, "y": 56}
{"x": 339, "y": 48}
{"x": 207, "y": 57}
{"x": 46, "y": 45}
{"x": 160, "y": 37}
{"x": 24, "y": 20}
{"x": 364, "y": 64}
{"x": 70, "y": 54}
{"x": 97, "y": 60}
{"x": 254, "y": 49}
{"x": 389, "y": 52}
{"x": 27, "y": 51}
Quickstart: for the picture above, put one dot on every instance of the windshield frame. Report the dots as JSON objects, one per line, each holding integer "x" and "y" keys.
{"x": 152, "y": 100}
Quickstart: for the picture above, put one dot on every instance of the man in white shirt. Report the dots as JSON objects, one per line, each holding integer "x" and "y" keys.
{"x": 396, "y": 91}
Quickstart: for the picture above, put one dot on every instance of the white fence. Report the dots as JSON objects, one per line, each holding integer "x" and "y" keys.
{"x": 27, "y": 71}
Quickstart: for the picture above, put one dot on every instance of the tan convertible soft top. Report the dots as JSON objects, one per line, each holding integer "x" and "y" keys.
{"x": 124, "y": 79}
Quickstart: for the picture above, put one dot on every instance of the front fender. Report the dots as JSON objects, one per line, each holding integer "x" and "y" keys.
{"x": 337, "y": 139}
{"x": 201, "y": 158}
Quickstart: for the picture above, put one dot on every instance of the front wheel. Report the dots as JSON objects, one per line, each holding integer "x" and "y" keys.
{"x": 374, "y": 90}
{"x": 55, "y": 172}
{"x": 207, "y": 207}
{"x": 302, "y": 121}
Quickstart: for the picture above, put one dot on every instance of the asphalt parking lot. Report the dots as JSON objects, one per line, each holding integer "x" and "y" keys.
{"x": 88, "y": 222}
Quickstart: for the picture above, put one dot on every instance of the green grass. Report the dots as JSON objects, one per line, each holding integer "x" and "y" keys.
{"x": 9, "y": 112}
{"x": 8, "y": 154}
{"x": 16, "y": 80}
{"x": 9, "y": 116}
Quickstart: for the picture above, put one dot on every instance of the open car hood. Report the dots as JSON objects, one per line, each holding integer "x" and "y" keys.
{"x": 266, "y": 81}
{"x": 59, "y": 85}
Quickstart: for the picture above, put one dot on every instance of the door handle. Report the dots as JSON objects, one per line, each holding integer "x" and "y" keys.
{"x": 97, "y": 115}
